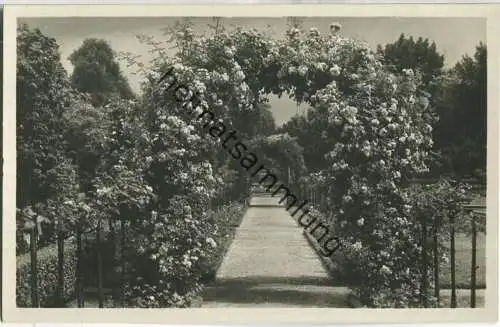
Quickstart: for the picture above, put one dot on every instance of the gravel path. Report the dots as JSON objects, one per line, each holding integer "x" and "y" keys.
{"x": 271, "y": 264}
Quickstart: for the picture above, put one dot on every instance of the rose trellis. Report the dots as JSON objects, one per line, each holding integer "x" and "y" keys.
{"x": 380, "y": 124}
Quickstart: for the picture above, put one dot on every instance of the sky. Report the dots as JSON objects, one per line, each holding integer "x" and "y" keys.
{"x": 454, "y": 37}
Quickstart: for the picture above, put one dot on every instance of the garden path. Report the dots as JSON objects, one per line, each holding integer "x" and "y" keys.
{"x": 271, "y": 264}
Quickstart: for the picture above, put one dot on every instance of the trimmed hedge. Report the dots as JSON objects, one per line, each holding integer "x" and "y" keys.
{"x": 47, "y": 275}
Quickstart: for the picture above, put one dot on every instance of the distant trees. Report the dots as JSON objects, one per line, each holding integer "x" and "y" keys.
{"x": 311, "y": 134}
{"x": 421, "y": 55}
{"x": 264, "y": 123}
{"x": 462, "y": 106}
{"x": 458, "y": 96}
{"x": 97, "y": 72}
{"x": 61, "y": 140}
{"x": 256, "y": 122}
{"x": 282, "y": 154}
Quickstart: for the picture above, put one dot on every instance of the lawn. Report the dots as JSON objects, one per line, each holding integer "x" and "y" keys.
{"x": 463, "y": 259}
{"x": 463, "y": 298}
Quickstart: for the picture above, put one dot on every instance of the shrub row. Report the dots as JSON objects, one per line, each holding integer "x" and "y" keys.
{"x": 227, "y": 219}
{"x": 47, "y": 275}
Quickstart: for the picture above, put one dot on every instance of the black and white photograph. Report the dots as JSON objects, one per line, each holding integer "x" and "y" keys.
{"x": 289, "y": 162}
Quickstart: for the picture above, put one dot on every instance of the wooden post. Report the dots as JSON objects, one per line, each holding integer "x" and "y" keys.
{"x": 114, "y": 261}
{"x": 473, "y": 268}
{"x": 35, "y": 303}
{"x": 99, "y": 266}
{"x": 123, "y": 261}
{"x": 452, "y": 262}
{"x": 436, "y": 261}
{"x": 79, "y": 267}
{"x": 424, "y": 288}
{"x": 60, "y": 264}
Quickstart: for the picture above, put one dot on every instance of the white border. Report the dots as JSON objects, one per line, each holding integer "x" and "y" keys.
{"x": 243, "y": 2}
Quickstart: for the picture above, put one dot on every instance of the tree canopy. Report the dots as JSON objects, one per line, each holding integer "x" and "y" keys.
{"x": 43, "y": 94}
{"x": 462, "y": 107}
{"x": 97, "y": 72}
{"x": 420, "y": 54}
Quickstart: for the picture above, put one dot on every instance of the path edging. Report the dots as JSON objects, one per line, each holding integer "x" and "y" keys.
{"x": 328, "y": 263}
{"x": 210, "y": 276}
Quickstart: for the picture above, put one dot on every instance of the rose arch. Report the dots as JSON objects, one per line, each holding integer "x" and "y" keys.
{"x": 379, "y": 128}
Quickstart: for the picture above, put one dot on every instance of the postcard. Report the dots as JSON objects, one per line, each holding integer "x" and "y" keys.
{"x": 256, "y": 164}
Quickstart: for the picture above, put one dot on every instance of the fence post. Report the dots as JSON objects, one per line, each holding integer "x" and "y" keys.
{"x": 436, "y": 261}
{"x": 60, "y": 264}
{"x": 123, "y": 261}
{"x": 99, "y": 266}
{"x": 473, "y": 271}
{"x": 452, "y": 262}
{"x": 79, "y": 267}
{"x": 425, "y": 282}
{"x": 34, "y": 269}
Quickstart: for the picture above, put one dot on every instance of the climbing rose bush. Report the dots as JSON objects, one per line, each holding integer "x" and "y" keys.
{"x": 379, "y": 129}
{"x": 161, "y": 187}
{"x": 383, "y": 139}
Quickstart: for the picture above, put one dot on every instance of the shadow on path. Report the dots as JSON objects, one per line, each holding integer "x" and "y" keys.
{"x": 275, "y": 291}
